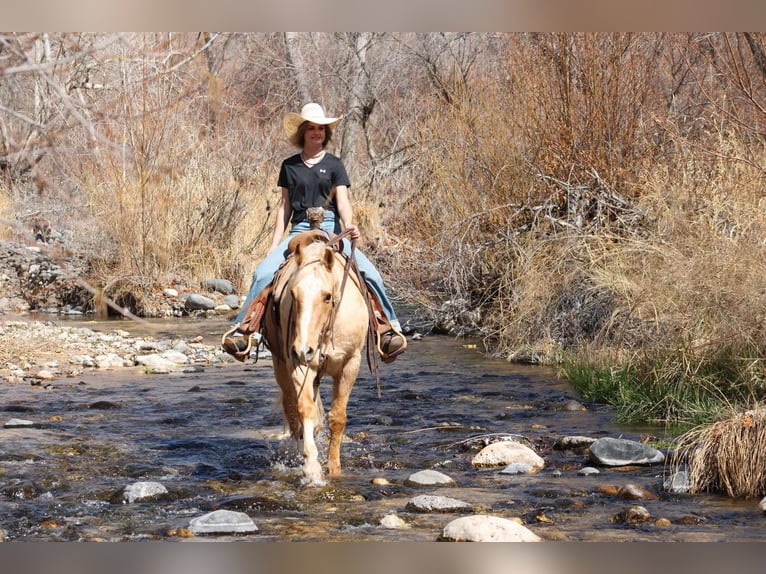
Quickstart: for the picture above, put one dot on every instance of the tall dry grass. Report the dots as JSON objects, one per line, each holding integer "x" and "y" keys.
{"x": 596, "y": 207}
{"x": 726, "y": 457}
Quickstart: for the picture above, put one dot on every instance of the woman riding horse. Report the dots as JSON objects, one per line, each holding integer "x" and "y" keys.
{"x": 310, "y": 179}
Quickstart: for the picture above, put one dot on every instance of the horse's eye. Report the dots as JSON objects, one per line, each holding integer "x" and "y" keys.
{"x": 327, "y": 298}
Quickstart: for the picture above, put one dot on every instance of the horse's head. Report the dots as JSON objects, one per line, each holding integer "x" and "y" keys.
{"x": 313, "y": 293}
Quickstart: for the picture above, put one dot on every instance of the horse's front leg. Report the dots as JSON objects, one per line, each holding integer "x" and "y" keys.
{"x": 307, "y": 411}
{"x": 337, "y": 417}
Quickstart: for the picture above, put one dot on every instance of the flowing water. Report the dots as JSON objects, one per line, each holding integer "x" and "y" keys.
{"x": 215, "y": 440}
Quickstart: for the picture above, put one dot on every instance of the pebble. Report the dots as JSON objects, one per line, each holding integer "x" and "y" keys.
{"x": 518, "y": 468}
{"x": 609, "y": 451}
{"x": 431, "y": 503}
{"x": 635, "y": 492}
{"x": 394, "y": 522}
{"x": 486, "y": 528}
{"x": 142, "y": 491}
{"x": 222, "y": 522}
{"x": 19, "y": 423}
{"x": 429, "y": 477}
{"x": 632, "y": 515}
{"x": 573, "y": 442}
{"x": 507, "y": 452}
{"x": 678, "y": 483}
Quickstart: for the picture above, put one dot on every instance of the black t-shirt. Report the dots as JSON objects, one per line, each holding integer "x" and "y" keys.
{"x": 310, "y": 187}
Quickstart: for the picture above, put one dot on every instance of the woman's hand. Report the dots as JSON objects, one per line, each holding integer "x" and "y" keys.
{"x": 353, "y": 231}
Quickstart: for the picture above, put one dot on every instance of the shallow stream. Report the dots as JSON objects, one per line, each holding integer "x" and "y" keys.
{"x": 214, "y": 438}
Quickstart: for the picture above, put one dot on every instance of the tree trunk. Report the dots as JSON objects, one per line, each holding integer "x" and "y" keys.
{"x": 359, "y": 105}
{"x": 296, "y": 62}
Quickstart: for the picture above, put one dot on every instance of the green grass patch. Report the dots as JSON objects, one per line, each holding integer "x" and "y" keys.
{"x": 670, "y": 388}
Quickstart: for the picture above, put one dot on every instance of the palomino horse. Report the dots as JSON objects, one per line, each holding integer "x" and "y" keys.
{"x": 313, "y": 330}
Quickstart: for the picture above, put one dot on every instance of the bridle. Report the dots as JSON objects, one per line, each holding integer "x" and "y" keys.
{"x": 336, "y": 244}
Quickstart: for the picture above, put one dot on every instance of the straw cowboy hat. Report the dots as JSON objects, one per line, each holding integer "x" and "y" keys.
{"x": 309, "y": 113}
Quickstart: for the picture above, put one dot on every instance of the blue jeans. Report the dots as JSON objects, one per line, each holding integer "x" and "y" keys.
{"x": 265, "y": 271}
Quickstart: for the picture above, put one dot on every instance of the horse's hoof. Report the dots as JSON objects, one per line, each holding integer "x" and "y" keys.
{"x": 316, "y": 482}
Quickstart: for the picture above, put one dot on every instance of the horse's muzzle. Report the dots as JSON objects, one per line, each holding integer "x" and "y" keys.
{"x": 304, "y": 356}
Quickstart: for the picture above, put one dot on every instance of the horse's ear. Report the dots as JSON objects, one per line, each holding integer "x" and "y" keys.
{"x": 329, "y": 258}
{"x": 298, "y": 253}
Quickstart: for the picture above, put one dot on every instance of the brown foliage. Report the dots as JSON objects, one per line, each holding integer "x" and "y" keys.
{"x": 728, "y": 456}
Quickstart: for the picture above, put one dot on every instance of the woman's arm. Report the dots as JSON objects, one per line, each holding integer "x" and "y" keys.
{"x": 284, "y": 212}
{"x": 345, "y": 211}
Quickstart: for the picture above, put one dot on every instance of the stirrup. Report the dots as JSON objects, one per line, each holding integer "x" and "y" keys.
{"x": 229, "y": 344}
{"x": 390, "y": 357}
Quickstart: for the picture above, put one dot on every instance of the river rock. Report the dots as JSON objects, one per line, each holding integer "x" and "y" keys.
{"x": 588, "y": 471}
{"x": 222, "y": 522}
{"x": 485, "y": 528}
{"x": 609, "y": 451}
{"x": 231, "y": 301}
{"x": 431, "y": 503}
{"x": 110, "y": 361}
{"x": 156, "y": 363}
{"x": 429, "y": 477}
{"x": 678, "y": 483}
{"x": 573, "y": 442}
{"x": 175, "y": 357}
{"x": 762, "y": 504}
{"x": 19, "y": 423}
{"x": 143, "y": 491}
{"x": 223, "y": 286}
{"x": 507, "y": 452}
{"x": 196, "y": 302}
{"x": 632, "y": 515}
{"x": 394, "y": 522}
{"x": 635, "y": 492}
{"x": 519, "y": 468}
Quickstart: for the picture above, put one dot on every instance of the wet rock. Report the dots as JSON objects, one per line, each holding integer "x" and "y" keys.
{"x": 506, "y": 452}
{"x": 588, "y": 471}
{"x": 394, "y": 522}
{"x": 143, "y": 491}
{"x": 573, "y": 442}
{"x": 635, "y": 492}
{"x": 222, "y": 522}
{"x": 485, "y": 528}
{"x": 569, "y": 406}
{"x": 256, "y": 504}
{"x": 431, "y": 503}
{"x": 678, "y": 483}
{"x": 429, "y": 477}
{"x": 21, "y": 490}
{"x": 17, "y": 409}
{"x": 762, "y": 504}
{"x": 519, "y": 468}
{"x": 19, "y": 423}
{"x": 104, "y": 406}
{"x": 622, "y": 452}
{"x": 632, "y": 515}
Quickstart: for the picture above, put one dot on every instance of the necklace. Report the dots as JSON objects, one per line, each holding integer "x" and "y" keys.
{"x": 313, "y": 160}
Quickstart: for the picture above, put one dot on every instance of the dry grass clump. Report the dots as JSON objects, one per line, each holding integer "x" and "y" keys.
{"x": 728, "y": 456}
